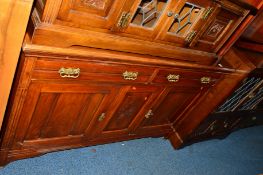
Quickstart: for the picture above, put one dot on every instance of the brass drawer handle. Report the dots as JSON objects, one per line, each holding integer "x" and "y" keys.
{"x": 173, "y": 78}
{"x": 101, "y": 117}
{"x": 205, "y": 80}
{"x": 69, "y": 72}
{"x": 149, "y": 114}
{"x": 254, "y": 118}
{"x": 130, "y": 75}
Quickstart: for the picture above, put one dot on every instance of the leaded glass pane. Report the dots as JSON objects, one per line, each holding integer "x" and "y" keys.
{"x": 233, "y": 101}
{"x": 149, "y": 12}
{"x": 183, "y": 21}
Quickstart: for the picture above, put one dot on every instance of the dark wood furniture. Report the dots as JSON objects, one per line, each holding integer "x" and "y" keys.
{"x": 94, "y": 72}
{"x": 244, "y": 108}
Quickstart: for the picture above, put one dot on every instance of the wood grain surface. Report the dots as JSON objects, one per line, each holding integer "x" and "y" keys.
{"x": 13, "y": 21}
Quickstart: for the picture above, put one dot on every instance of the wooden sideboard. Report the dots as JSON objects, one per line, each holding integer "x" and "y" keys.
{"x": 95, "y": 72}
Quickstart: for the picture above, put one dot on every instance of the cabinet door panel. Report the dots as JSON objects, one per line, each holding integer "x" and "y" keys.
{"x": 93, "y": 103}
{"x": 172, "y": 103}
{"x": 40, "y": 114}
{"x": 122, "y": 119}
{"x": 223, "y": 24}
{"x": 94, "y": 13}
{"x": 65, "y": 111}
{"x": 131, "y": 106}
{"x": 60, "y": 110}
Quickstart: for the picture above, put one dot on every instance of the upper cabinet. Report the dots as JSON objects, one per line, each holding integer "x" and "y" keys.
{"x": 153, "y": 27}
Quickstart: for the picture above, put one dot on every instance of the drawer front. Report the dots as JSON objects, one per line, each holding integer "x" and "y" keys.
{"x": 88, "y": 71}
{"x": 185, "y": 77}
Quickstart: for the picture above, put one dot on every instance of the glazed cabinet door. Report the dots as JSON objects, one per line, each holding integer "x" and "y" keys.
{"x": 93, "y": 13}
{"x": 202, "y": 25}
{"x": 185, "y": 20}
{"x": 60, "y": 113}
{"x": 122, "y": 118}
{"x": 171, "y": 104}
{"x": 143, "y": 18}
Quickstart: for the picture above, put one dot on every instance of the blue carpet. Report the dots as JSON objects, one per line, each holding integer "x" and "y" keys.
{"x": 239, "y": 154}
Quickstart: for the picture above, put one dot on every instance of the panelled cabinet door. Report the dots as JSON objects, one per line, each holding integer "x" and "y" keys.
{"x": 93, "y": 13}
{"x": 227, "y": 17}
{"x": 170, "y": 105}
{"x": 121, "y": 119}
{"x": 185, "y": 20}
{"x": 59, "y": 112}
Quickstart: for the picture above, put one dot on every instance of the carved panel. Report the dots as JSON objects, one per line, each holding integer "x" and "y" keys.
{"x": 184, "y": 21}
{"x": 99, "y": 4}
{"x": 216, "y": 28}
{"x": 94, "y": 7}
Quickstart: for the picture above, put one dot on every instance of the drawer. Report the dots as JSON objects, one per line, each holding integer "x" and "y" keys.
{"x": 90, "y": 71}
{"x": 186, "y": 77}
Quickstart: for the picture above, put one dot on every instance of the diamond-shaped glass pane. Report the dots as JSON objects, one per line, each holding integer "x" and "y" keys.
{"x": 234, "y": 100}
{"x": 185, "y": 19}
{"x": 149, "y": 12}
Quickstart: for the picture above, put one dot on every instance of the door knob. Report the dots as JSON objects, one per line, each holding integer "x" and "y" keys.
{"x": 149, "y": 114}
{"x": 169, "y": 14}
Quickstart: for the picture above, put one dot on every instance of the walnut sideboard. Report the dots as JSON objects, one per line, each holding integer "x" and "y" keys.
{"x": 95, "y": 72}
